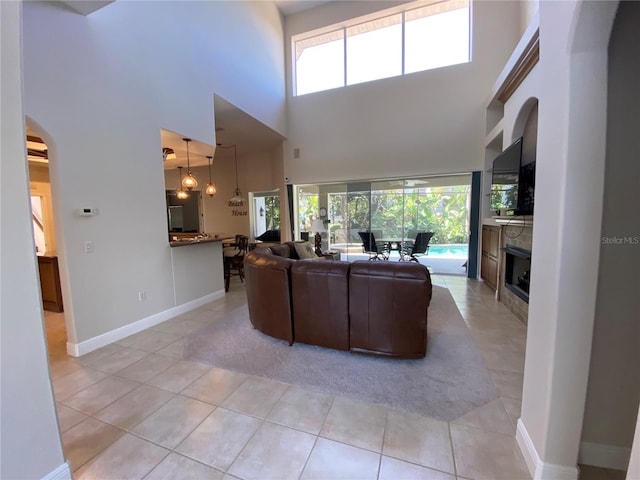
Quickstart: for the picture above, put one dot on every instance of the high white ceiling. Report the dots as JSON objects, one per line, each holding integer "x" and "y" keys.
{"x": 286, "y": 7}
{"x": 85, "y": 7}
{"x": 289, "y": 7}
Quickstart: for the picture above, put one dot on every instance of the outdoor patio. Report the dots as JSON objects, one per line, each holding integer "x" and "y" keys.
{"x": 442, "y": 259}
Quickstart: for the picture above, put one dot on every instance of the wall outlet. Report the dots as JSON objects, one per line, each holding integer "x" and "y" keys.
{"x": 88, "y": 246}
{"x": 142, "y": 296}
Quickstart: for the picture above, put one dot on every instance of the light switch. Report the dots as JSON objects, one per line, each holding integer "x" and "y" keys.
{"x": 88, "y": 246}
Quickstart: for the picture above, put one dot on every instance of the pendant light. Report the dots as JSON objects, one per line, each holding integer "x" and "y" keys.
{"x": 236, "y": 200}
{"x": 211, "y": 187}
{"x": 189, "y": 182}
{"x": 180, "y": 193}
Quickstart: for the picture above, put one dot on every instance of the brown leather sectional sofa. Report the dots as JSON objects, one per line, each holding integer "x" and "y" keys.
{"x": 366, "y": 307}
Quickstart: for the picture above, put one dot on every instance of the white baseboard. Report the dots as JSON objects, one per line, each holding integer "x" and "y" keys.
{"x": 63, "y": 472}
{"x": 605, "y": 456}
{"x": 538, "y": 469}
{"x": 82, "y": 348}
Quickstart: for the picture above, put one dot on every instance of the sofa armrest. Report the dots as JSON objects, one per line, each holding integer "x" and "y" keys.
{"x": 268, "y": 286}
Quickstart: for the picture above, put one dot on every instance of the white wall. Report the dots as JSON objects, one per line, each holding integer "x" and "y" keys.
{"x": 31, "y": 446}
{"x": 614, "y": 378}
{"x": 634, "y": 462}
{"x": 568, "y": 212}
{"x": 528, "y": 10}
{"x": 424, "y": 123}
{"x": 99, "y": 89}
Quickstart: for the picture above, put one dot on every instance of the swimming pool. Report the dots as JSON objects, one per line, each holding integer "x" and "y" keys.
{"x": 453, "y": 250}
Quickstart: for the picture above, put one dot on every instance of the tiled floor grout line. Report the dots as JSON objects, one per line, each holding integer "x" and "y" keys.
{"x": 464, "y": 304}
{"x": 245, "y": 446}
{"x": 453, "y": 452}
{"x": 306, "y": 462}
{"x": 384, "y": 436}
{"x": 130, "y": 430}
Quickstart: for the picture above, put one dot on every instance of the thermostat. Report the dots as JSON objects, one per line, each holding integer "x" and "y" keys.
{"x": 87, "y": 212}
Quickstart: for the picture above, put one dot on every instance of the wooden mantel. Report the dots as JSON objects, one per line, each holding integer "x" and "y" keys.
{"x": 525, "y": 63}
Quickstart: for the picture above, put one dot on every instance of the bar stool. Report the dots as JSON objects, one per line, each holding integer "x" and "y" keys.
{"x": 234, "y": 260}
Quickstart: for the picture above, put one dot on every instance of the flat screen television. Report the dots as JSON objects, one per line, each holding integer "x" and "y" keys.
{"x": 526, "y": 188}
{"x": 513, "y": 181}
{"x": 505, "y": 178}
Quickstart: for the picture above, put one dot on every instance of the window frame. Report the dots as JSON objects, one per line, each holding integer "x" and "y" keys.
{"x": 343, "y": 27}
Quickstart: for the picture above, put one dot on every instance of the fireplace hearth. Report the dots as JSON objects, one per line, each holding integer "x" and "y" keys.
{"x": 517, "y": 271}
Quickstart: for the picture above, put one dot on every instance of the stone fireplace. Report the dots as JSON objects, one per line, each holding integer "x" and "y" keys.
{"x": 516, "y": 269}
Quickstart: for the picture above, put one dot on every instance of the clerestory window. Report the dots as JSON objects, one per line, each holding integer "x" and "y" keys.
{"x": 421, "y": 36}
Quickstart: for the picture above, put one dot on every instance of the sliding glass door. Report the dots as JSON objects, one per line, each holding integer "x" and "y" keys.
{"x": 395, "y": 211}
{"x": 265, "y": 212}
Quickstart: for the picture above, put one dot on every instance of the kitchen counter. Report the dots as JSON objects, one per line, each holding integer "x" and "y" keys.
{"x": 197, "y": 271}
{"x": 193, "y": 241}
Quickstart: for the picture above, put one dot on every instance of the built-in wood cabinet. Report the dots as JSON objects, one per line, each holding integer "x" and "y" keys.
{"x": 490, "y": 255}
{"x": 50, "y": 283}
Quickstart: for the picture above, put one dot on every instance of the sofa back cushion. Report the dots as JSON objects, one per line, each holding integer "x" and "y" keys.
{"x": 388, "y": 308}
{"x": 321, "y": 303}
{"x": 281, "y": 250}
{"x": 290, "y": 250}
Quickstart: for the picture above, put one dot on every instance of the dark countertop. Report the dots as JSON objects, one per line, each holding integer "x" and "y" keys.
{"x": 193, "y": 241}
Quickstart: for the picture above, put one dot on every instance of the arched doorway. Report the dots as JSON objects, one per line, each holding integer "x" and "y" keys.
{"x": 43, "y": 221}
{"x": 41, "y": 159}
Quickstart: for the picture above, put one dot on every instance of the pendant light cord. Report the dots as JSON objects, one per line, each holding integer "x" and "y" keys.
{"x": 235, "y": 156}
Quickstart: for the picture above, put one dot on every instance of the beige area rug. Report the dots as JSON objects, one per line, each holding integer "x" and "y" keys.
{"x": 449, "y": 382}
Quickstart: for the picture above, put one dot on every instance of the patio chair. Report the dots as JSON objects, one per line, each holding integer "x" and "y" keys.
{"x": 420, "y": 246}
{"x": 370, "y": 246}
{"x": 407, "y": 244}
{"x": 234, "y": 259}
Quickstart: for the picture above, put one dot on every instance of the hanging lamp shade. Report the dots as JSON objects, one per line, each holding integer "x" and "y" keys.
{"x": 236, "y": 200}
{"x": 211, "y": 187}
{"x": 189, "y": 182}
{"x": 180, "y": 193}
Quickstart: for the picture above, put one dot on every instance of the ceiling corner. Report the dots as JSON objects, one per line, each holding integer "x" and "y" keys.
{"x": 86, "y": 7}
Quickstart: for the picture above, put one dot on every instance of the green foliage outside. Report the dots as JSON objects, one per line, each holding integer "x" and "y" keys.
{"x": 396, "y": 214}
{"x": 307, "y": 211}
{"x": 503, "y": 197}
{"x": 272, "y": 212}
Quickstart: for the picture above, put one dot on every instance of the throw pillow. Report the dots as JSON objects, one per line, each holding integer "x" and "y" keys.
{"x": 305, "y": 250}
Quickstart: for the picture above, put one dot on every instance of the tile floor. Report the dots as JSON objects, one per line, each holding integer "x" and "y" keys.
{"x": 135, "y": 409}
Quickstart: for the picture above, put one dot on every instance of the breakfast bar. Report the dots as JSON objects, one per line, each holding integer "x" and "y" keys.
{"x": 197, "y": 270}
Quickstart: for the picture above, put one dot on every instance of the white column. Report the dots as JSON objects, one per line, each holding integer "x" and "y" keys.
{"x": 566, "y": 238}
